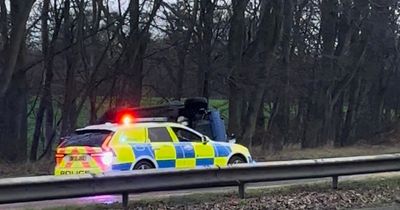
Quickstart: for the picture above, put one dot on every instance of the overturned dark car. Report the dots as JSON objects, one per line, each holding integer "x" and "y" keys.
{"x": 193, "y": 112}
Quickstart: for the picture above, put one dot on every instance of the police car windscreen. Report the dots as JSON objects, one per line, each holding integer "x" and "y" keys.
{"x": 90, "y": 138}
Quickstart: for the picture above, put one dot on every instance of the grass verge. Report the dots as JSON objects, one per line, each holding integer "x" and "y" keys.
{"x": 327, "y": 152}
{"x": 43, "y": 167}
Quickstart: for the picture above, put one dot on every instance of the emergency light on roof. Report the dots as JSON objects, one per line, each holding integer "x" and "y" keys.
{"x": 127, "y": 117}
{"x": 126, "y": 120}
{"x": 124, "y": 117}
{"x": 151, "y": 119}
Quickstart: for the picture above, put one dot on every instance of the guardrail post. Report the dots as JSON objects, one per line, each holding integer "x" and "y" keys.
{"x": 125, "y": 200}
{"x": 242, "y": 188}
{"x": 335, "y": 180}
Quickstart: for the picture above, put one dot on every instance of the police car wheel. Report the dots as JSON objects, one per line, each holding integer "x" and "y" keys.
{"x": 236, "y": 160}
{"x": 143, "y": 165}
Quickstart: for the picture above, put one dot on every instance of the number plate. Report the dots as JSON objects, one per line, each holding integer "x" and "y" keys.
{"x": 77, "y": 158}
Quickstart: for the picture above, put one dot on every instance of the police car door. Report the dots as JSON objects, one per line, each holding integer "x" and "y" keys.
{"x": 203, "y": 152}
{"x": 162, "y": 146}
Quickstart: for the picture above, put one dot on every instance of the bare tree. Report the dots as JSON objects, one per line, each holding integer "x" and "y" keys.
{"x": 13, "y": 87}
{"x": 235, "y": 65}
{"x": 45, "y": 104}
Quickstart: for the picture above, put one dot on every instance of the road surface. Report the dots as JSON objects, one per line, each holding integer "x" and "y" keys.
{"x": 109, "y": 199}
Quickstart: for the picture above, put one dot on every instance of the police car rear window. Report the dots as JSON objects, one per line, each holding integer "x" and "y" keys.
{"x": 90, "y": 138}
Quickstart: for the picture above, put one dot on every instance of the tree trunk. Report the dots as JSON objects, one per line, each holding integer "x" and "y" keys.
{"x": 205, "y": 39}
{"x": 327, "y": 73}
{"x": 135, "y": 48}
{"x": 13, "y": 123}
{"x": 20, "y": 10}
{"x": 69, "y": 106}
{"x": 46, "y": 94}
{"x": 268, "y": 36}
{"x": 13, "y": 85}
{"x": 235, "y": 54}
{"x": 350, "y": 117}
{"x": 280, "y": 127}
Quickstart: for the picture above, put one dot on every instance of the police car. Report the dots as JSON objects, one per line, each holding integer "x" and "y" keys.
{"x": 142, "y": 144}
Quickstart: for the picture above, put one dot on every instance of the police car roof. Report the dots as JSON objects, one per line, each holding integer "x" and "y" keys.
{"x": 114, "y": 126}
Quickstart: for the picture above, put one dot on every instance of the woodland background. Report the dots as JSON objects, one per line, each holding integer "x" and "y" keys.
{"x": 309, "y": 73}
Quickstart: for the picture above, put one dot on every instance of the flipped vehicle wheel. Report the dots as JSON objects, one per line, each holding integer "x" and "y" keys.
{"x": 236, "y": 160}
{"x": 143, "y": 165}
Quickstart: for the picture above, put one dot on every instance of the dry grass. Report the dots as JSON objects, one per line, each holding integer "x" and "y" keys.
{"x": 44, "y": 167}
{"x": 382, "y": 143}
{"x": 327, "y": 152}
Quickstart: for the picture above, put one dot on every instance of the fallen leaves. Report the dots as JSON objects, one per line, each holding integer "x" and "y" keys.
{"x": 303, "y": 198}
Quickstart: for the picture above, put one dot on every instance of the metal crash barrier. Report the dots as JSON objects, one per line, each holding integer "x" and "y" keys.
{"x": 39, "y": 188}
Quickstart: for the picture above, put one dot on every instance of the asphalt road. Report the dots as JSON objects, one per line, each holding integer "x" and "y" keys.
{"x": 108, "y": 199}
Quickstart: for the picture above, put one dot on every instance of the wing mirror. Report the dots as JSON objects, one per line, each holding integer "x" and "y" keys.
{"x": 232, "y": 139}
{"x": 205, "y": 139}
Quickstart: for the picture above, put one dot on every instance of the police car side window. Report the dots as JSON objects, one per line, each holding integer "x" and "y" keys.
{"x": 185, "y": 135}
{"x": 159, "y": 134}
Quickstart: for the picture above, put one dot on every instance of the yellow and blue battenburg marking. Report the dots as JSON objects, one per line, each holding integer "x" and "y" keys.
{"x": 184, "y": 150}
{"x": 143, "y": 150}
{"x": 222, "y": 150}
{"x": 184, "y": 157}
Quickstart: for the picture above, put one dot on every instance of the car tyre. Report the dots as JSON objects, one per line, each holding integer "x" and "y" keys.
{"x": 143, "y": 165}
{"x": 236, "y": 160}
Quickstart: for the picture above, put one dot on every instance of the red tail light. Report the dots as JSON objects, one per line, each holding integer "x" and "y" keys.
{"x": 59, "y": 157}
{"x": 105, "y": 157}
{"x": 105, "y": 146}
